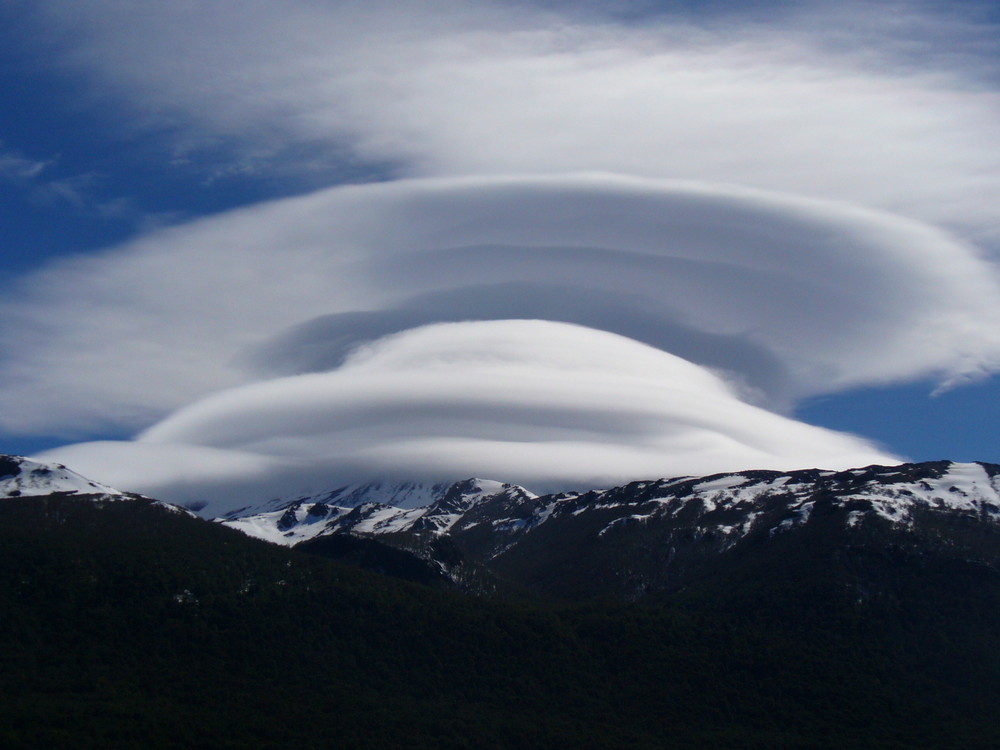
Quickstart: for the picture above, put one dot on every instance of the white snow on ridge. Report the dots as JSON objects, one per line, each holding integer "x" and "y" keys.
{"x": 366, "y": 505}
{"x": 964, "y": 486}
{"x": 722, "y": 483}
{"x": 36, "y": 478}
{"x": 398, "y": 495}
{"x": 387, "y": 519}
{"x": 489, "y": 487}
{"x": 267, "y": 526}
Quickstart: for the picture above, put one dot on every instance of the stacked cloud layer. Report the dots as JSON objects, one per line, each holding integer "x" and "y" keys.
{"x": 549, "y": 405}
{"x": 781, "y": 296}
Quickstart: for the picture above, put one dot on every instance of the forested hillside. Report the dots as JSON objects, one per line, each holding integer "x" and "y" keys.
{"x": 124, "y": 624}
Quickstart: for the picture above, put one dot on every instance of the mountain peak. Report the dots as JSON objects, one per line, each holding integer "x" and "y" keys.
{"x": 369, "y": 508}
{"x": 22, "y": 477}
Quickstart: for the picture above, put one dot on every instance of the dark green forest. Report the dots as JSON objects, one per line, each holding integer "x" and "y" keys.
{"x": 126, "y": 625}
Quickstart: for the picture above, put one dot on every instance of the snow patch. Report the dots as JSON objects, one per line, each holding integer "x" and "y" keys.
{"x": 722, "y": 483}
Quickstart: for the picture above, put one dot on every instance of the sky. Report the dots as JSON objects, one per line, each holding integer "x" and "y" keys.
{"x": 255, "y": 248}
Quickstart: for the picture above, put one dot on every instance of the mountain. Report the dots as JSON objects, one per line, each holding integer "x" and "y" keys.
{"x": 646, "y": 540}
{"x": 365, "y": 509}
{"x": 642, "y": 542}
{"x": 21, "y": 477}
{"x": 348, "y": 532}
{"x": 806, "y": 609}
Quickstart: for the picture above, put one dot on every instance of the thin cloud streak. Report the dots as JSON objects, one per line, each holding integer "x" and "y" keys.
{"x": 16, "y": 167}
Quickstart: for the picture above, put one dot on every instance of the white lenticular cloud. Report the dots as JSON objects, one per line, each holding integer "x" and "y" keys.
{"x": 788, "y": 297}
{"x": 325, "y": 325}
{"x": 548, "y": 405}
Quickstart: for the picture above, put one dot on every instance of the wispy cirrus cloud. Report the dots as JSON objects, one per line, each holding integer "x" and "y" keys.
{"x": 15, "y": 166}
{"x": 888, "y": 106}
{"x": 41, "y": 184}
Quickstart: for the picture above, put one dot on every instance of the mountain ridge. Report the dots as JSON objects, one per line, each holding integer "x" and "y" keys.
{"x": 648, "y": 538}
{"x": 124, "y": 624}
{"x": 643, "y": 541}
{"x": 950, "y": 484}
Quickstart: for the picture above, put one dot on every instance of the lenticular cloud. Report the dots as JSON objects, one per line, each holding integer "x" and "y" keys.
{"x": 788, "y": 297}
{"x": 558, "y": 331}
{"x": 540, "y": 403}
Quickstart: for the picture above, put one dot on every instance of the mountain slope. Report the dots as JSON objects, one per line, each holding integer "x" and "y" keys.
{"x": 125, "y": 624}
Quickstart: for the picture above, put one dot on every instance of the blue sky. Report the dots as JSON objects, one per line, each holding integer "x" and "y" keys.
{"x": 124, "y": 121}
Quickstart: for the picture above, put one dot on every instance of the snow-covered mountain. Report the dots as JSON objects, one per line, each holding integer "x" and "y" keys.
{"x": 642, "y": 540}
{"x": 369, "y": 509}
{"x": 725, "y": 504}
{"x": 646, "y": 536}
{"x": 22, "y": 477}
